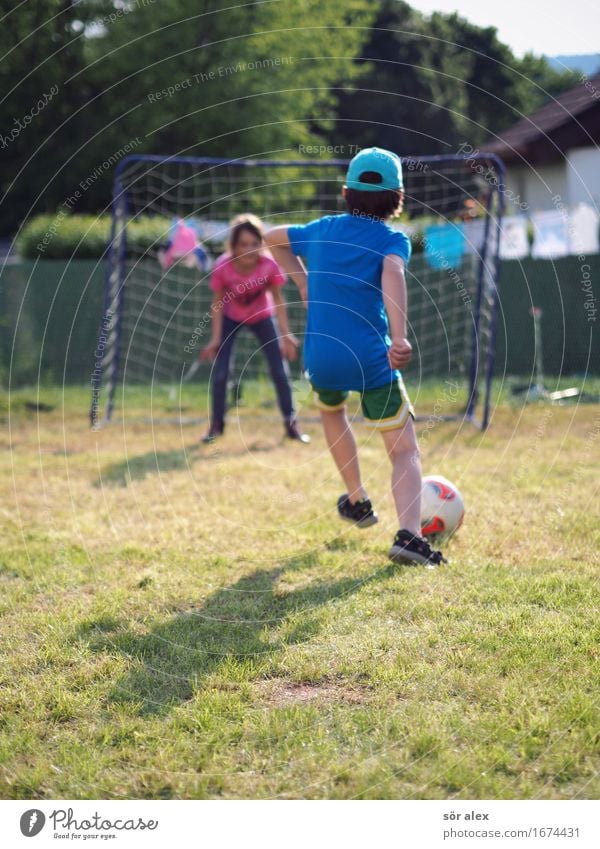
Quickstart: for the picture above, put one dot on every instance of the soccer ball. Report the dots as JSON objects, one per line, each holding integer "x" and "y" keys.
{"x": 442, "y": 507}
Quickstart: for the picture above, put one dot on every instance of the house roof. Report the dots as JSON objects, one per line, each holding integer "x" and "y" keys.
{"x": 561, "y": 123}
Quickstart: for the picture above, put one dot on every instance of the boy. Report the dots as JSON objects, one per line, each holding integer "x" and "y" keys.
{"x": 356, "y": 337}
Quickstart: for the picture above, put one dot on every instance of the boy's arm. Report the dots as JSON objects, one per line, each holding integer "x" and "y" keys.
{"x": 278, "y": 243}
{"x": 393, "y": 286}
{"x": 289, "y": 343}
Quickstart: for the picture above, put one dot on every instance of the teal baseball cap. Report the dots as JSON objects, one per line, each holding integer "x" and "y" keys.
{"x": 377, "y": 160}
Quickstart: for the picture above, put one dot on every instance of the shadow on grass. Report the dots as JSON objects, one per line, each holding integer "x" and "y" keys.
{"x": 160, "y": 462}
{"x": 238, "y": 626}
{"x": 138, "y": 468}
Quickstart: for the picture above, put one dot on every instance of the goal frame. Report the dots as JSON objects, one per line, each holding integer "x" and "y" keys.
{"x": 108, "y": 350}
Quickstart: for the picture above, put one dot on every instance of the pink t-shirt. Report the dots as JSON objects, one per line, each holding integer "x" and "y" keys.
{"x": 246, "y": 297}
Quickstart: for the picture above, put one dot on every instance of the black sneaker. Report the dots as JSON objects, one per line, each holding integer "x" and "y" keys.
{"x": 214, "y": 431}
{"x": 292, "y": 432}
{"x": 360, "y": 514}
{"x": 413, "y": 550}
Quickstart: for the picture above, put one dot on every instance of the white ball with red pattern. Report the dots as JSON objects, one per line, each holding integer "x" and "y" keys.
{"x": 442, "y": 507}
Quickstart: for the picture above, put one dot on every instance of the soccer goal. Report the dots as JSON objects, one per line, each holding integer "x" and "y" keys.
{"x": 156, "y": 320}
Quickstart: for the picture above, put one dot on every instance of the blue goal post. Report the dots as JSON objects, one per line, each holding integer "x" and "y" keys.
{"x": 151, "y": 314}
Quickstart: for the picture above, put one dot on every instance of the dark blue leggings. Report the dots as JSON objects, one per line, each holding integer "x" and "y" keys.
{"x": 266, "y": 333}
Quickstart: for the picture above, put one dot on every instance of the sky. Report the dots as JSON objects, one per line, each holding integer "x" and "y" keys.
{"x": 551, "y": 27}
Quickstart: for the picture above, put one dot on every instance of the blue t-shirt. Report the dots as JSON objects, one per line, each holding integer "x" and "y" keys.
{"x": 347, "y": 337}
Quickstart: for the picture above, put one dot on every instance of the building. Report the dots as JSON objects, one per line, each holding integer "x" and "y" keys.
{"x": 555, "y": 151}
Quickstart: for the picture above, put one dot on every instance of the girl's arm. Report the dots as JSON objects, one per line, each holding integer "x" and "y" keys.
{"x": 209, "y": 352}
{"x": 288, "y": 343}
{"x": 393, "y": 285}
{"x": 278, "y": 243}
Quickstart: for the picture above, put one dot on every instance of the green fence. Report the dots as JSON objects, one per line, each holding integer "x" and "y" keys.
{"x": 567, "y": 291}
{"x": 50, "y": 313}
{"x": 51, "y": 310}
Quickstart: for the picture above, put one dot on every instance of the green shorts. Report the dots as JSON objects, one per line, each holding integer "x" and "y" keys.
{"x": 385, "y": 408}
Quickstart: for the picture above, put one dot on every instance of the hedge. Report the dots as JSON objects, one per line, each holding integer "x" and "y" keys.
{"x": 65, "y": 236}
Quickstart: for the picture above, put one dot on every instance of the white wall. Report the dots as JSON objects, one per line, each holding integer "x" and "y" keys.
{"x": 536, "y": 186}
{"x": 576, "y": 180}
{"x": 583, "y": 176}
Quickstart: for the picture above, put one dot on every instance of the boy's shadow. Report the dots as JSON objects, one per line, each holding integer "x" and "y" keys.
{"x": 235, "y": 623}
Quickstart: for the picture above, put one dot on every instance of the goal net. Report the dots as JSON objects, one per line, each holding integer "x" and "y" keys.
{"x": 156, "y": 320}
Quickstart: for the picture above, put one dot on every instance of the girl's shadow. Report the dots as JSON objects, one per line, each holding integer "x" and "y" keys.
{"x": 138, "y": 467}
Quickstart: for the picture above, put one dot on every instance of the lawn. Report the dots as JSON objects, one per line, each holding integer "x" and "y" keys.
{"x": 189, "y": 621}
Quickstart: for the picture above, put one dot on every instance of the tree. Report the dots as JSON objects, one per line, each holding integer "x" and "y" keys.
{"x": 427, "y": 84}
{"x": 84, "y": 80}
{"x": 43, "y": 50}
{"x": 210, "y": 78}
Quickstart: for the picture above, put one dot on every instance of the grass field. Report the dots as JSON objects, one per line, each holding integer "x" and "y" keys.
{"x": 187, "y": 621}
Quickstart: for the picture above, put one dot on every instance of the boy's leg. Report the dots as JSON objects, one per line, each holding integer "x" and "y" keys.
{"x": 342, "y": 446}
{"x": 388, "y": 410}
{"x": 403, "y": 451}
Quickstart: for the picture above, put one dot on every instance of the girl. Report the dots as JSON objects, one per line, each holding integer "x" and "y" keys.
{"x": 246, "y": 284}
